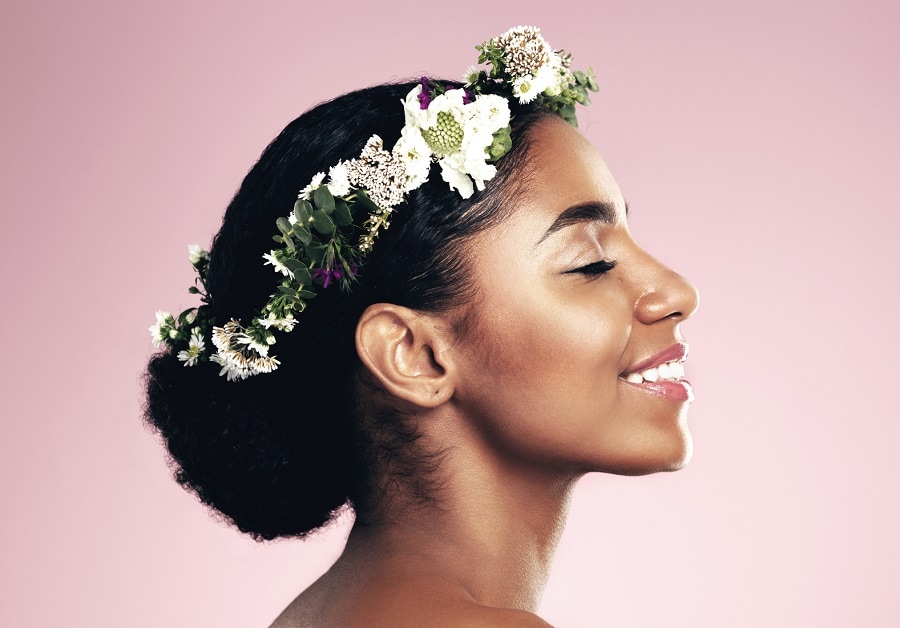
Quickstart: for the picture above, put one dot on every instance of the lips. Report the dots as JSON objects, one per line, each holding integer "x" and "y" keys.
{"x": 662, "y": 374}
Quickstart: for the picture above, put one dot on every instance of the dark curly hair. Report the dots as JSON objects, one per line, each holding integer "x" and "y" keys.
{"x": 279, "y": 454}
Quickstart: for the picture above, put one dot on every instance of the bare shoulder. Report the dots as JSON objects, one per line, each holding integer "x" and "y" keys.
{"x": 396, "y": 607}
{"x": 448, "y": 615}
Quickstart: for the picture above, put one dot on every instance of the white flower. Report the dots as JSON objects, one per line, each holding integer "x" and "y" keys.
{"x": 492, "y": 112}
{"x": 339, "y": 183}
{"x": 264, "y": 364}
{"x": 456, "y": 132}
{"x": 416, "y": 154}
{"x": 412, "y": 108}
{"x": 525, "y": 51}
{"x": 561, "y": 76}
{"x": 285, "y": 324}
{"x": 456, "y": 177}
{"x": 524, "y": 89}
{"x": 545, "y": 78}
{"x": 450, "y": 102}
{"x": 159, "y": 330}
{"x": 195, "y": 349}
{"x": 272, "y": 258}
{"x": 196, "y": 253}
{"x": 234, "y": 365}
{"x": 254, "y": 344}
{"x": 306, "y": 192}
{"x": 471, "y": 75}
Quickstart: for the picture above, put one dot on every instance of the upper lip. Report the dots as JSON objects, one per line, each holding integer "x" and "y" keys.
{"x": 677, "y": 351}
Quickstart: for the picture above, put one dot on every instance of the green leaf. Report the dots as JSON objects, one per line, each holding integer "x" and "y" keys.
{"x": 367, "y": 204}
{"x": 323, "y": 199}
{"x": 342, "y": 216}
{"x": 322, "y": 222}
{"x": 306, "y": 294}
{"x": 500, "y": 146}
{"x": 293, "y": 264}
{"x": 303, "y": 234}
{"x": 278, "y": 239}
{"x": 302, "y": 211}
{"x": 287, "y": 290}
{"x": 580, "y": 78}
{"x": 316, "y": 252}
{"x": 289, "y": 243}
{"x": 301, "y": 272}
{"x": 283, "y": 225}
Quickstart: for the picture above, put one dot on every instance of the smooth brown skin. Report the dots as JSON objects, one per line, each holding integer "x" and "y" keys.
{"x": 523, "y": 403}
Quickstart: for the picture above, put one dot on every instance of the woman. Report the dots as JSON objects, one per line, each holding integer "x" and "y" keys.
{"x": 464, "y": 328}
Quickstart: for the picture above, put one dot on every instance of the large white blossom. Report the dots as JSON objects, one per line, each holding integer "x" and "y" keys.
{"x": 465, "y": 167}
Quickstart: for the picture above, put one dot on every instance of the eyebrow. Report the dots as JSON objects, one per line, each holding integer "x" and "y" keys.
{"x": 592, "y": 211}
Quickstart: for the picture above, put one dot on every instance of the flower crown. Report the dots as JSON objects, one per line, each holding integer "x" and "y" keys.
{"x": 465, "y": 130}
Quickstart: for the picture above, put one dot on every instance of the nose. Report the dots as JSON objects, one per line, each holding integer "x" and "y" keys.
{"x": 666, "y": 295}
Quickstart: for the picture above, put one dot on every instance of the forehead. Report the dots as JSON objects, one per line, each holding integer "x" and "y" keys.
{"x": 566, "y": 170}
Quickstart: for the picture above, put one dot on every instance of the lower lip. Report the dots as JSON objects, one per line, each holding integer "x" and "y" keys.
{"x": 676, "y": 391}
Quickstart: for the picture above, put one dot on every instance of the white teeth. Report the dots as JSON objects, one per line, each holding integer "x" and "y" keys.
{"x": 670, "y": 371}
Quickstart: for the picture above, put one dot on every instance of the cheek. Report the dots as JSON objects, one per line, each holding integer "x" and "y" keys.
{"x": 544, "y": 378}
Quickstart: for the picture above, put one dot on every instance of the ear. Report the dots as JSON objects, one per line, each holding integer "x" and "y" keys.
{"x": 407, "y": 352}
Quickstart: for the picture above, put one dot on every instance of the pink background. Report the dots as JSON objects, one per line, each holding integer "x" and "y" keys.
{"x": 757, "y": 143}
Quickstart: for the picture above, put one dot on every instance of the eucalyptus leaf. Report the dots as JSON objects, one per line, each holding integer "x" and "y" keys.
{"x": 323, "y": 199}
{"x": 293, "y": 264}
{"x": 306, "y": 294}
{"x": 283, "y": 225}
{"x": 302, "y": 211}
{"x": 322, "y": 222}
{"x": 303, "y": 276}
{"x": 316, "y": 252}
{"x": 287, "y": 290}
{"x": 342, "y": 216}
{"x": 367, "y": 204}
{"x": 303, "y": 234}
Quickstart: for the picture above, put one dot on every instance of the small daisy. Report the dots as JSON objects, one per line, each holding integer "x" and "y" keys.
{"x": 272, "y": 258}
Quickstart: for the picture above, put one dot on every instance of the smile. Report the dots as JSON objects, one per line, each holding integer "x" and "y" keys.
{"x": 671, "y": 371}
{"x": 662, "y": 374}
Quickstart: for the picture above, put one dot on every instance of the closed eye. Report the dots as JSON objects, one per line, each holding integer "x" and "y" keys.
{"x": 596, "y": 268}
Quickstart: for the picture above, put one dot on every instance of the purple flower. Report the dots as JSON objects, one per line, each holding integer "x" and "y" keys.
{"x": 467, "y": 97}
{"x": 327, "y": 276}
{"x": 425, "y": 96}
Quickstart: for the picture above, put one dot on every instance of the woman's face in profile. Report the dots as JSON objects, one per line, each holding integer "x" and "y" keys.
{"x": 569, "y": 310}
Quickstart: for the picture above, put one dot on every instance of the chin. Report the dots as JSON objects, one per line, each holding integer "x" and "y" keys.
{"x": 670, "y": 455}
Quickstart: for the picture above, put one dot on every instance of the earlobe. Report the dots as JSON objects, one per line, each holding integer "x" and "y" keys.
{"x": 406, "y": 351}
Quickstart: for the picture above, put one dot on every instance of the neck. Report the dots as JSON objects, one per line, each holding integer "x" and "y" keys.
{"x": 491, "y": 529}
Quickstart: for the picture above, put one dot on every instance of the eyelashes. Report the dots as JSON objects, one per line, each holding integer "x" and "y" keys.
{"x": 594, "y": 269}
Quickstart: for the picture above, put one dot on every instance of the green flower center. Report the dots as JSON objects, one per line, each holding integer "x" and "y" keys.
{"x": 444, "y": 137}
